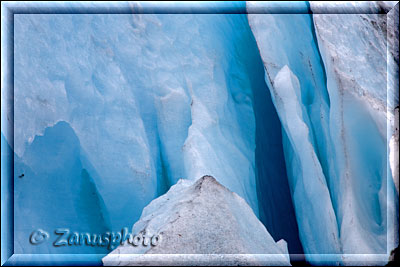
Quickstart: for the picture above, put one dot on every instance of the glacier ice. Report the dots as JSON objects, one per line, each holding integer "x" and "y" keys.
{"x": 72, "y": 200}
{"x": 356, "y": 66}
{"x": 352, "y": 46}
{"x": 289, "y": 111}
{"x": 162, "y": 120}
{"x": 148, "y": 107}
{"x": 304, "y": 118}
{"x": 306, "y": 177}
{"x": 201, "y": 217}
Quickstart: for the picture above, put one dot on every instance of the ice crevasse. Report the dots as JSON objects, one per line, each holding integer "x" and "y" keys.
{"x": 337, "y": 106}
{"x": 290, "y": 111}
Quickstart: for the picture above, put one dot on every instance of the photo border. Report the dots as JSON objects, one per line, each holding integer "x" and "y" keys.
{"x": 9, "y": 9}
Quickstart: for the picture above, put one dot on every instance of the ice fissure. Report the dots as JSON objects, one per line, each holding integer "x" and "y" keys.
{"x": 334, "y": 127}
{"x": 297, "y": 83}
{"x": 276, "y": 201}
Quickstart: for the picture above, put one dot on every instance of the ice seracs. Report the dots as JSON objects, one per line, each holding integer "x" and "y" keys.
{"x": 198, "y": 221}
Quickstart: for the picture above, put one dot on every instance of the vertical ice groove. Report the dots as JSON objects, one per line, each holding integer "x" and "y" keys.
{"x": 270, "y": 162}
{"x": 311, "y": 195}
{"x": 354, "y": 49}
{"x": 305, "y": 61}
{"x": 284, "y": 43}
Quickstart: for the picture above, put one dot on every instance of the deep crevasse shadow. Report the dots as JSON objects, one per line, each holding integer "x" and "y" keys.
{"x": 273, "y": 192}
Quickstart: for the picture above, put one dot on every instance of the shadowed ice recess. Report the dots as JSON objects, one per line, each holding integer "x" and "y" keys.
{"x": 290, "y": 112}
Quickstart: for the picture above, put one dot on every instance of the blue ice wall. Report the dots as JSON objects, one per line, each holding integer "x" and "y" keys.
{"x": 146, "y": 100}
{"x": 328, "y": 78}
{"x": 149, "y": 99}
{"x": 131, "y": 86}
{"x": 55, "y": 188}
{"x": 112, "y": 109}
{"x": 361, "y": 123}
